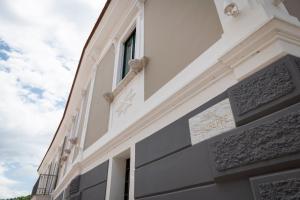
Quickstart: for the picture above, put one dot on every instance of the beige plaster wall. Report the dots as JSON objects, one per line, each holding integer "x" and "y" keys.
{"x": 99, "y": 111}
{"x": 176, "y": 32}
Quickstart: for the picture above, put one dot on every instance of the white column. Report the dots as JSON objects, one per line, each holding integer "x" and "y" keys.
{"x": 88, "y": 107}
{"x": 132, "y": 172}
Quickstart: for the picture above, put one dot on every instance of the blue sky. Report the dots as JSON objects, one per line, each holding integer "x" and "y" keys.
{"x": 40, "y": 45}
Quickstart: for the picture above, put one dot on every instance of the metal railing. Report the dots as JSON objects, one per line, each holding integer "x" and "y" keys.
{"x": 44, "y": 185}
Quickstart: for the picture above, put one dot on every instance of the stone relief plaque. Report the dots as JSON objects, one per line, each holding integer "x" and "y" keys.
{"x": 126, "y": 102}
{"x": 211, "y": 122}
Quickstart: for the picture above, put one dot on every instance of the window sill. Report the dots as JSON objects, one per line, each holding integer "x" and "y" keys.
{"x": 136, "y": 66}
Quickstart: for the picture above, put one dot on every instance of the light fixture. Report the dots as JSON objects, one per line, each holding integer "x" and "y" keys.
{"x": 231, "y": 8}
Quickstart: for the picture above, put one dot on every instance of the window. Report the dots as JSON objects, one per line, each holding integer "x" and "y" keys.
{"x": 129, "y": 47}
{"x": 127, "y": 173}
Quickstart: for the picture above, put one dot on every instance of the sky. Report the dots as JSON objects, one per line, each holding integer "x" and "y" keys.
{"x": 40, "y": 46}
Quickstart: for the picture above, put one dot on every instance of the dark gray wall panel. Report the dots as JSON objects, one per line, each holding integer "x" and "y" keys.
{"x": 185, "y": 168}
{"x": 94, "y": 176}
{"x": 67, "y": 192}
{"x": 170, "y": 139}
{"x": 270, "y": 141}
{"x": 279, "y": 186}
{"x": 60, "y": 197}
{"x": 75, "y": 185}
{"x": 269, "y": 90}
{"x": 96, "y": 192}
{"x": 239, "y": 190}
{"x": 167, "y": 140}
{"x": 76, "y": 196}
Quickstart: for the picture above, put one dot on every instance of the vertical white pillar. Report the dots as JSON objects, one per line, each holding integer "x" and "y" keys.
{"x": 132, "y": 172}
{"x": 88, "y": 107}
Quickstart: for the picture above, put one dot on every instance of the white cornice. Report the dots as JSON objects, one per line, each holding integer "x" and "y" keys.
{"x": 275, "y": 29}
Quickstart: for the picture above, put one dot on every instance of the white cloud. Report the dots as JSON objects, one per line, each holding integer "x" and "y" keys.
{"x": 5, "y": 185}
{"x": 45, "y": 39}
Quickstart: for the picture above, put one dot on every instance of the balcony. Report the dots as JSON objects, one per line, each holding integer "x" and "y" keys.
{"x": 43, "y": 187}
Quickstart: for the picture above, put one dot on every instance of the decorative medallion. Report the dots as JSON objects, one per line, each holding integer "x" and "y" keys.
{"x": 125, "y": 103}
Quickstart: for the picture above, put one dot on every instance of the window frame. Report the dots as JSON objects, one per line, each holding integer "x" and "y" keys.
{"x": 136, "y": 23}
{"x": 125, "y": 65}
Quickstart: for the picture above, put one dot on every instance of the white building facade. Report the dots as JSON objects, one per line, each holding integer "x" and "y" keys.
{"x": 182, "y": 99}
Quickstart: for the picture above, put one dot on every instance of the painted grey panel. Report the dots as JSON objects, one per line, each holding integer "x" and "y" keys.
{"x": 269, "y": 90}
{"x": 96, "y": 192}
{"x": 170, "y": 139}
{"x": 94, "y": 176}
{"x": 270, "y": 141}
{"x": 75, "y": 185}
{"x": 76, "y": 196}
{"x": 238, "y": 190}
{"x": 185, "y": 168}
{"x": 279, "y": 186}
{"x": 67, "y": 192}
{"x": 167, "y": 140}
{"x": 60, "y": 197}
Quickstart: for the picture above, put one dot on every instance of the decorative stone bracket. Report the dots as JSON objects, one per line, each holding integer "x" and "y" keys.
{"x": 136, "y": 66}
{"x": 73, "y": 140}
{"x": 67, "y": 151}
{"x": 64, "y": 158}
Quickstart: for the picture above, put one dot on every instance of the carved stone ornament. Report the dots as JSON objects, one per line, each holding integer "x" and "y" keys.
{"x": 64, "y": 158}
{"x": 231, "y": 8}
{"x": 108, "y": 96}
{"x": 211, "y": 122}
{"x": 67, "y": 151}
{"x": 73, "y": 140}
{"x": 126, "y": 103}
{"x": 74, "y": 118}
{"x": 136, "y": 65}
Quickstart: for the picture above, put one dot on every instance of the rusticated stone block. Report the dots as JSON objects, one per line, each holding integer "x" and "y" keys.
{"x": 270, "y": 138}
{"x": 269, "y": 90}
{"x": 279, "y": 186}
{"x": 284, "y": 189}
